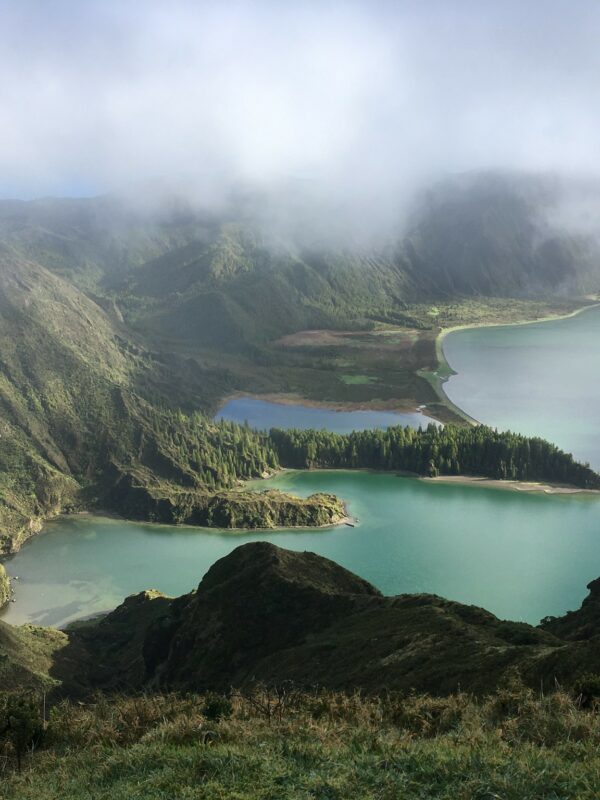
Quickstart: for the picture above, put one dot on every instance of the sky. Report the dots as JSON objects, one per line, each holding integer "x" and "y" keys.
{"x": 364, "y": 98}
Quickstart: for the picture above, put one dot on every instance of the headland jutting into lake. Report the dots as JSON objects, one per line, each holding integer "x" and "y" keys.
{"x": 400, "y": 510}
{"x": 472, "y": 544}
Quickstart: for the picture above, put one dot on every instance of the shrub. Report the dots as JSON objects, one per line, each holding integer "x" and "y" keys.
{"x": 21, "y": 723}
{"x": 216, "y": 707}
{"x": 587, "y": 690}
{"x": 426, "y": 716}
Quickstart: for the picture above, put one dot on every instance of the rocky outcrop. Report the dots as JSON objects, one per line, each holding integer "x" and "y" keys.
{"x": 580, "y": 625}
{"x": 169, "y": 504}
{"x": 28, "y": 656}
{"x": 271, "y": 615}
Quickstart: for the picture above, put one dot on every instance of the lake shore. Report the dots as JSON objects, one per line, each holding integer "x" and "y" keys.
{"x": 291, "y": 399}
{"x": 549, "y": 318}
{"x": 412, "y": 537}
{"x": 516, "y": 486}
{"x": 444, "y": 370}
{"x": 460, "y": 480}
{"x": 113, "y": 517}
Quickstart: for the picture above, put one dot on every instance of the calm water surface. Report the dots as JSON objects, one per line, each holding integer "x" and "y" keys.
{"x": 263, "y": 415}
{"x": 541, "y": 379}
{"x": 521, "y": 556}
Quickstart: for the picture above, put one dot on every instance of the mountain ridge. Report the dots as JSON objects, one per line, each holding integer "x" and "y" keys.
{"x": 270, "y": 616}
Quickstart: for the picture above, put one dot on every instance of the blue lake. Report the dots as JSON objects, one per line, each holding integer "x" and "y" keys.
{"x": 263, "y": 415}
{"x": 521, "y": 556}
{"x": 541, "y": 379}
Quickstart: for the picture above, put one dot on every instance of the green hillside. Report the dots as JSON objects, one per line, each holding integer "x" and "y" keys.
{"x": 285, "y": 676}
{"x": 122, "y": 326}
{"x": 87, "y": 412}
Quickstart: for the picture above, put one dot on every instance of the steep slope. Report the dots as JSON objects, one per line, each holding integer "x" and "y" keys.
{"x": 59, "y": 363}
{"x": 4, "y": 586}
{"x": 270, "y": 615}
{"x": 89, "y": 416}
{"x": 236, "y": 278}
{"x": 27, "y": 655}
{"x": 93, "y": 241}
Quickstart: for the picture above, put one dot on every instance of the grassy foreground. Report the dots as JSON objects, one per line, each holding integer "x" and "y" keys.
{"x": 512, "y": 745}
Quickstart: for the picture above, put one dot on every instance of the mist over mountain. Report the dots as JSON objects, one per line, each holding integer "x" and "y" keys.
{"x": 116, "y": 314}
{"x": 479, "y": 233}
{"x": 369, "y": 102}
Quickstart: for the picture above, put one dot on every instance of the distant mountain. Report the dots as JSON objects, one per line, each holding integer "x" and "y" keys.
{"x": 480, "y": 235}
{"x": 234, "y": 276}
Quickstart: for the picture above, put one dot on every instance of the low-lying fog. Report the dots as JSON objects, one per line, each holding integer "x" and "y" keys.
{"x": 359, "y": 103}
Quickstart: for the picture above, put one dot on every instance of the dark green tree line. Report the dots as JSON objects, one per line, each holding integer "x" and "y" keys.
{"x": 451, "y": 450}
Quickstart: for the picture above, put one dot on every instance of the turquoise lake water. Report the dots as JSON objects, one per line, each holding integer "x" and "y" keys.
{"x": 541, "y": 379}
{"x": 521, "y": 556}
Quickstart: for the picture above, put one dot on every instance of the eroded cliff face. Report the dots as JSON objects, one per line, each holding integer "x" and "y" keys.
{"x": 171, "y": 504}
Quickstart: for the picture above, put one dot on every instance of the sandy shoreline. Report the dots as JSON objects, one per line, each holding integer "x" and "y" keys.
{"x": 515, "y": 486}
{"x": 111, "y": 516}
{"x": 453, "y": 328}
{"x": 460, "y": 480}
{"x": 552, "y": 318}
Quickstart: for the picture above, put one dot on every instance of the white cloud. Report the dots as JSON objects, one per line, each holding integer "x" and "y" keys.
{"x": 367, "y": 97}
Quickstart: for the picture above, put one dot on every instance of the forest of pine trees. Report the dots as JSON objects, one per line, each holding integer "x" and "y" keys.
{"x": 218, "y": 453}
{"x": 221, "y": 454}
{"x": 449, "y": 450}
